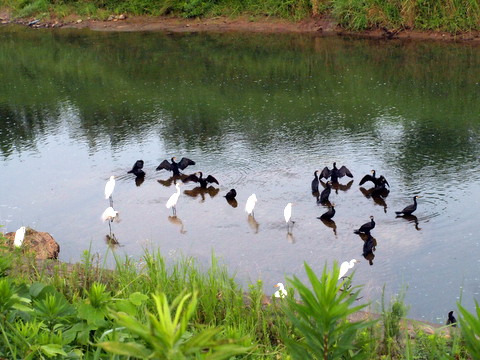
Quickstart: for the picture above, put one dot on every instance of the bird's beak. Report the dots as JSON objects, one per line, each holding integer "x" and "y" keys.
{"x": 276, "y": 286}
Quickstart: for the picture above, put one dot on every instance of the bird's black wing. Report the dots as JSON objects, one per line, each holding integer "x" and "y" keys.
{"x": 211, "y": 179}
{"x": 325, "y": 173}
{"x": 185, "y": 162}
{"x": 164, "y": 165}
{"x": 366, "y": 178}
{"x": 192, "y": 177}
{"x": 383, "y": 180}
{"x": 344, "y": 171}
{"x": 137, "y": 166}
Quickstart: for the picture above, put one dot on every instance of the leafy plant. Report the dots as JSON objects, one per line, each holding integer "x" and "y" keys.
{"x": 470, "y": 326}
{"x": 167, "y": 335}
{"x": 320, "y": 319}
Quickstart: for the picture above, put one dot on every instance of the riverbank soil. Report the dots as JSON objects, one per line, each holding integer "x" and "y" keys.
{"x": 314, "y": 25}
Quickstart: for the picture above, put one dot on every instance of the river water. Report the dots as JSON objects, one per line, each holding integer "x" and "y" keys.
{"x": 260, "y": 113}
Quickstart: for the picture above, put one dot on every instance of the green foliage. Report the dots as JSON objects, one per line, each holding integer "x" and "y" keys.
{"x": 470, "y": 325}
{"x": 320, "y": 318}
{"x": 166, "y": 335}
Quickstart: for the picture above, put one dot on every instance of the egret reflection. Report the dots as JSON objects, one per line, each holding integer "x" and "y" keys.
{"x": 175, "y": 220}
{"x": 254, "y": 225}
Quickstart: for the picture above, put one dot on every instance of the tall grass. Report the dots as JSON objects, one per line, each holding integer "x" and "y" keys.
{"x": 449, "y": 15}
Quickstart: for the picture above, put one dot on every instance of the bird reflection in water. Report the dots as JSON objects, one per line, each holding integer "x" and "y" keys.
{"x": 254, "y": 225}
{"x": 112, "y": 241}
{"x": 200, "y": 191}
{"x": 230, "y": 196}
{"x": 291, "y": 238}
{"x": 331, "y": 224}
{"x": 369, "y": 246}
{"x": 337, "y": 186}
{"x": 327, "y": 216}
{"x": 139, "y": 180}
{"x": 413, "y": 219}
{"x": 178, "y": 222}
{"x": 172, "y": 180}
{"x": 378, "y": 195}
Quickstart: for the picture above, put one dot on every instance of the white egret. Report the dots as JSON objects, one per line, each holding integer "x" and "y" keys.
{"x": 19, "y": 236}
{"x": 287, "y": 213}
{"x": 250, "y": 205}
{"x": 109, "y": 187}
{"x": 109, "y": 214}
{"x": 172, "y": 201}
{"x": 281, "y": 292}
{"x": 345, "y": 266}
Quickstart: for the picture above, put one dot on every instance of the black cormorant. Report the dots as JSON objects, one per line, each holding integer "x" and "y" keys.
{"x": 451, "y": 319}
{"x": 335, "y": 173}
{"x": 408, "y": 210}
{"x": 366, "y": 228}
{"x": 231, "y": 194}
{"x": 174, "y": 166}
{"x": 325, "y": 193}
{"x": 200, "y": 179}
{"x": 377, "y": 181}
{"x": 315, "y": 181}
{"x": 137, "y": 169}
{"x": 329, "y": 214}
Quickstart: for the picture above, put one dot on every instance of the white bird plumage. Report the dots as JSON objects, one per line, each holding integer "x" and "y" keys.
{"x": 287, "y": 213}
{"x": 109, "y": 214}
{"x": 109, "y": 187}
{"x": 172, "y": 201}
{"x": 250, "y": 205}
{"x": 19, "y": 236}
{"x": 281, "y": 292}
{"x": 345, "y": 266}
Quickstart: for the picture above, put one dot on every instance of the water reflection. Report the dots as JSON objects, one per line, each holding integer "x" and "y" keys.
{"x": 172, "y": 180}
{"x": 411, "y": 218}
{"x": 254, "y": 225}
{"x": 202, "y": 192}
{"x": 377, "y": 194}
{"x": 112, "y": 241}
{"x": 369, "y": 246}
{"x": 177, "y": 222}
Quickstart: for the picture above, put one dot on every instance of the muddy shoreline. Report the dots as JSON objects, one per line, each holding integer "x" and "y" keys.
{"x": 319, "y": 26}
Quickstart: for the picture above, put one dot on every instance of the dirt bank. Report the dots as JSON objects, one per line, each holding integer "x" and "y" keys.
{"x": 320, "y": 26}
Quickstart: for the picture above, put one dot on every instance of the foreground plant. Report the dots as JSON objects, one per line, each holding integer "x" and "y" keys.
{"x": 320, "y": 318}
{"x": 470, "y": 326}
{"x": 170, "y": 336}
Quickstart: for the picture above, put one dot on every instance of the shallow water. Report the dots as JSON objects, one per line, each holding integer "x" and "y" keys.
{"x": 260, "y": 113}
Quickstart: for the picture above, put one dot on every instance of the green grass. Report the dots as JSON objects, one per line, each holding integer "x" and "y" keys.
{"x": 448, "y": 15}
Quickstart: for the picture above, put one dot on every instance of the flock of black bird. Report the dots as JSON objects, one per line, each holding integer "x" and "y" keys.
{"x": 378, "y": 193}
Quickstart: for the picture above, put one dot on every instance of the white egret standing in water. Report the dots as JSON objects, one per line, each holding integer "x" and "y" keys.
{"x": 109, "y": 187}
{"x": 172, "y": 201}
{"x": 287, "y": 213}
{"x": 19, "y": 236}
{"x": 109, "y": 214}
{"x": 281, "y": 292}
{"x": 345, "y": 266}
{"x": 250, "y": 205}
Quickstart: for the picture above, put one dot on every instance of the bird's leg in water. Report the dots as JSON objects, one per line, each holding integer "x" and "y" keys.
{"x": 111, "y": 200}
{"x": 110, "y": 227}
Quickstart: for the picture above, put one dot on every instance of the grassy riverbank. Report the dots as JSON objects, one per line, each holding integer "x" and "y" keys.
{"x": 454, "y": 16}
{"x": 180, "y": 311}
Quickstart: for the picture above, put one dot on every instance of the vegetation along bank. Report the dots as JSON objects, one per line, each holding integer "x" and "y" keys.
{"x": 438, "y": 19}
